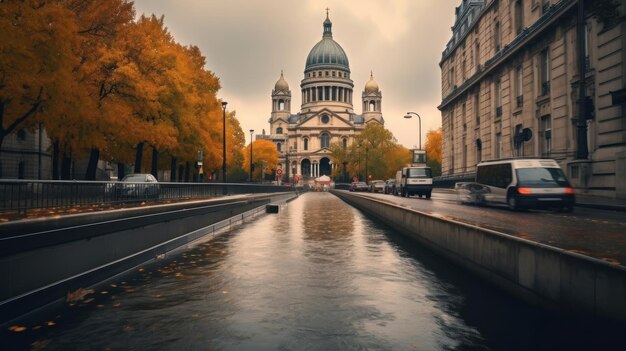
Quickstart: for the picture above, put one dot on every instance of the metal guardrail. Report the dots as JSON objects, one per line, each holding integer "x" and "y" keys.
{"x": 23, "y": 195}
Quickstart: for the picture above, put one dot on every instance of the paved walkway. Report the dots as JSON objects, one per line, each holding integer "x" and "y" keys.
{"x": 591, "y": 201}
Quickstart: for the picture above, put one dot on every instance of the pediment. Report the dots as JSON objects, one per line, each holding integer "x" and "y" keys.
{"x": 314, "y": 121}
{"x": 322, "y": 151}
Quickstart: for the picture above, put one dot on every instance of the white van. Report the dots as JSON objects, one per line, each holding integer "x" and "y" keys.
{"x": 414, "y": 180}
{"x": 522, "y": 183}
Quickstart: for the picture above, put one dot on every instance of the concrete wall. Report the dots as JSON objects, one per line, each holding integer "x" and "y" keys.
{"x": 42, "y": 260}
{"x": 538, "y": 273}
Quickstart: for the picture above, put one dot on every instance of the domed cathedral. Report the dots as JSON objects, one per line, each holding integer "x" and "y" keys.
{"x": 326, "y": 115}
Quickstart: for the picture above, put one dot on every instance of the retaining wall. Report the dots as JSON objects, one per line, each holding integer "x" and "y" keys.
{"x": 42, "y": 260}
{"x": 537, "y": 273}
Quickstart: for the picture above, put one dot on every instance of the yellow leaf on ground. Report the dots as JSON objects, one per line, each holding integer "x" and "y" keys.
{"x": 17, "y": 328}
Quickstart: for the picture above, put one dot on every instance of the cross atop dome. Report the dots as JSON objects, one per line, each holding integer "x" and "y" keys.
{"x": 328, "y": 25}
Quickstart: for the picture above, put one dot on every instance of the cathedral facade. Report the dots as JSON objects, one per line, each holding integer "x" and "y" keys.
{"x": 326, "y": 114}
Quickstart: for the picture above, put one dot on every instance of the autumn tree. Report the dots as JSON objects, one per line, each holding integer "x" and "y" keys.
{"x": 433, "y": 150}
{"x": 37, "y": 56}
{"x": 264, "y": 156}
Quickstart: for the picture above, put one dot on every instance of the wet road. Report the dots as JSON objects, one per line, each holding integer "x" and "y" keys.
{"x": 316, "y": 276}
{"x": 592, "y": 232}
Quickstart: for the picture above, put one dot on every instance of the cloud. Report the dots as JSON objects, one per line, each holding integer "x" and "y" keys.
{"x": 248, "y": 42}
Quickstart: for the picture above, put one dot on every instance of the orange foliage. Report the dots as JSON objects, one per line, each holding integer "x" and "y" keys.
{"x": 433, "y": 145}
{"x": 264, "y": 154}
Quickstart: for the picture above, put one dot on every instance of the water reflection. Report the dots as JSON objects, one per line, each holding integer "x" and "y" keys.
{"x": 316, "y": 276}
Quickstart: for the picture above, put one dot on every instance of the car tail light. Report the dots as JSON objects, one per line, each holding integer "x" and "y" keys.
{"x": 569, "y": 190}
{"x": 524, "y": 191}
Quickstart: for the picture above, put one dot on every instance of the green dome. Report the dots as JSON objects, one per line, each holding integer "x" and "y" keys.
{"x": 327, "y": 53}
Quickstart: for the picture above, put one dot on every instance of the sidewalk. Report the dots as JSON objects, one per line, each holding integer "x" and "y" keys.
{"x": 582, "y": 200}
{"x": 604, "y": 203}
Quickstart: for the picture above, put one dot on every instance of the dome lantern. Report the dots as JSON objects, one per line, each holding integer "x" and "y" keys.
{"x": 371, "y": 86}
{"x": 281, "y": 84}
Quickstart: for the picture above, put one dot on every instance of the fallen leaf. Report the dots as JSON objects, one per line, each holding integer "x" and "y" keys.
{"x": 78, "y": 295}
{"x": 17, "y": 328}
{"x": 89, "y": 300}
{"x": 50, "y": 323}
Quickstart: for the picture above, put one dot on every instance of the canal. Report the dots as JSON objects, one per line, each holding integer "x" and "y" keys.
{"x": 316, "y": 276}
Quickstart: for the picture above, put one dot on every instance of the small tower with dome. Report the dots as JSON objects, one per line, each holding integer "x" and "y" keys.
{"x": 281, "y": 99}
{"x": 372, "y": 100}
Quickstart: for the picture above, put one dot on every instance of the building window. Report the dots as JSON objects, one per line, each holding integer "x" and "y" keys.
{"x": 477, "y": 55}
{"x": 463, "y": 68}
{"x": 279, "y": 130}
{"x": 344, "y": 142}
{"x": 279, "y": 147}
{"x": 496, "y": 36}
{"x": 518, "y": 140}
{"x": 544, "y": 71}
{"x": 498, "y": 97}
{"x": 325, "y": 119}
{"x": 546, "y": 136}
{"x": 477, "y": 108}
{"x": 325, "y": 140}
{"x": 306, "y": 144}
{"x": 497, "y": 151}
{"x": 281, "y": 105}
{"x": 451, "y": 77}
{"x": 326, "y": 73}
{"x": 463, "y": 118}
{"x": 334, "y": 73}
{"x": 519, "y": 16}
{"x": 479, "y": 151}
{"x": 519, "y": 95}
{"x": 21, "y": 135}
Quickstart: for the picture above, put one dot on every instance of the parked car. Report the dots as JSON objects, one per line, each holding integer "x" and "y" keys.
{"x": 137, "y": 186}
{"x": 377, "y": 186}
{"x": 390, "y": 185}
{"x": 358, "y": 186}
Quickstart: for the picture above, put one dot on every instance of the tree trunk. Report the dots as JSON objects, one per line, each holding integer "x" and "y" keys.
{"x": 187, "y": 171}
{"x": 155, "y": 161}
{"x": 173, "y": 169}
{"x": 92, "y": 166}
{"x": 66, "y": 167}
{"x": 138, "y": 157}
{"x": 55, "y": 160}
{"x": 181, "y": 171}
{"x": 121, "y": 170}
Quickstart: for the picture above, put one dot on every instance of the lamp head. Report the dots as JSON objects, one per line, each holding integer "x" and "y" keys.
{"x": 251, "y": 131}
{"x": 224, "y": 103}
{"x": 407, "y": 116}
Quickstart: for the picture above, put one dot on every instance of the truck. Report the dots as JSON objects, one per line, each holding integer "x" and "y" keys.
{"x": 414, "y": 180}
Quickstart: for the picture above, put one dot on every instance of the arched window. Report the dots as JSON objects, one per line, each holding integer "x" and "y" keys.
{"x": 306, "y": 144}
{"x": 279, "y": 130}
{"x": 281, "y": 105}
{"x": 372, "y": 106}
{"x": 325, "y": 140}
{"x": 344, "y": 142}
{"x": 279, "y": 147}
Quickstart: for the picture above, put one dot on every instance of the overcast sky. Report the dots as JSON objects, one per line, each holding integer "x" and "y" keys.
{"x": 247, "y": 43}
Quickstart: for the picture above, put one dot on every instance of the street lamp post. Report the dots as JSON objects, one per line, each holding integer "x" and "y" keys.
{"x": 287, "y": 166}
{"x": 408, "y": 115}
{"x": 224, "y": 103}
{"x": 251, "y": 131}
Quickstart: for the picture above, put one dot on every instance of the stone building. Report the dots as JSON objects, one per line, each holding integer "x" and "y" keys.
{"x": 511, "y": 87}
{"x": 326, "y": 114}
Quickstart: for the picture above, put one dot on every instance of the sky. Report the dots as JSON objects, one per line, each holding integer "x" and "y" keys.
{"x": 248, "y": 42}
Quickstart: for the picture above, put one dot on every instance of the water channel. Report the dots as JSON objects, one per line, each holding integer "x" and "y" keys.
{"x": 316, "y": 276}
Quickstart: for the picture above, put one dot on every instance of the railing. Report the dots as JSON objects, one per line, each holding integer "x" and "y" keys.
{"x": 23, "y": 195}
{"x": 448, "y": 181}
